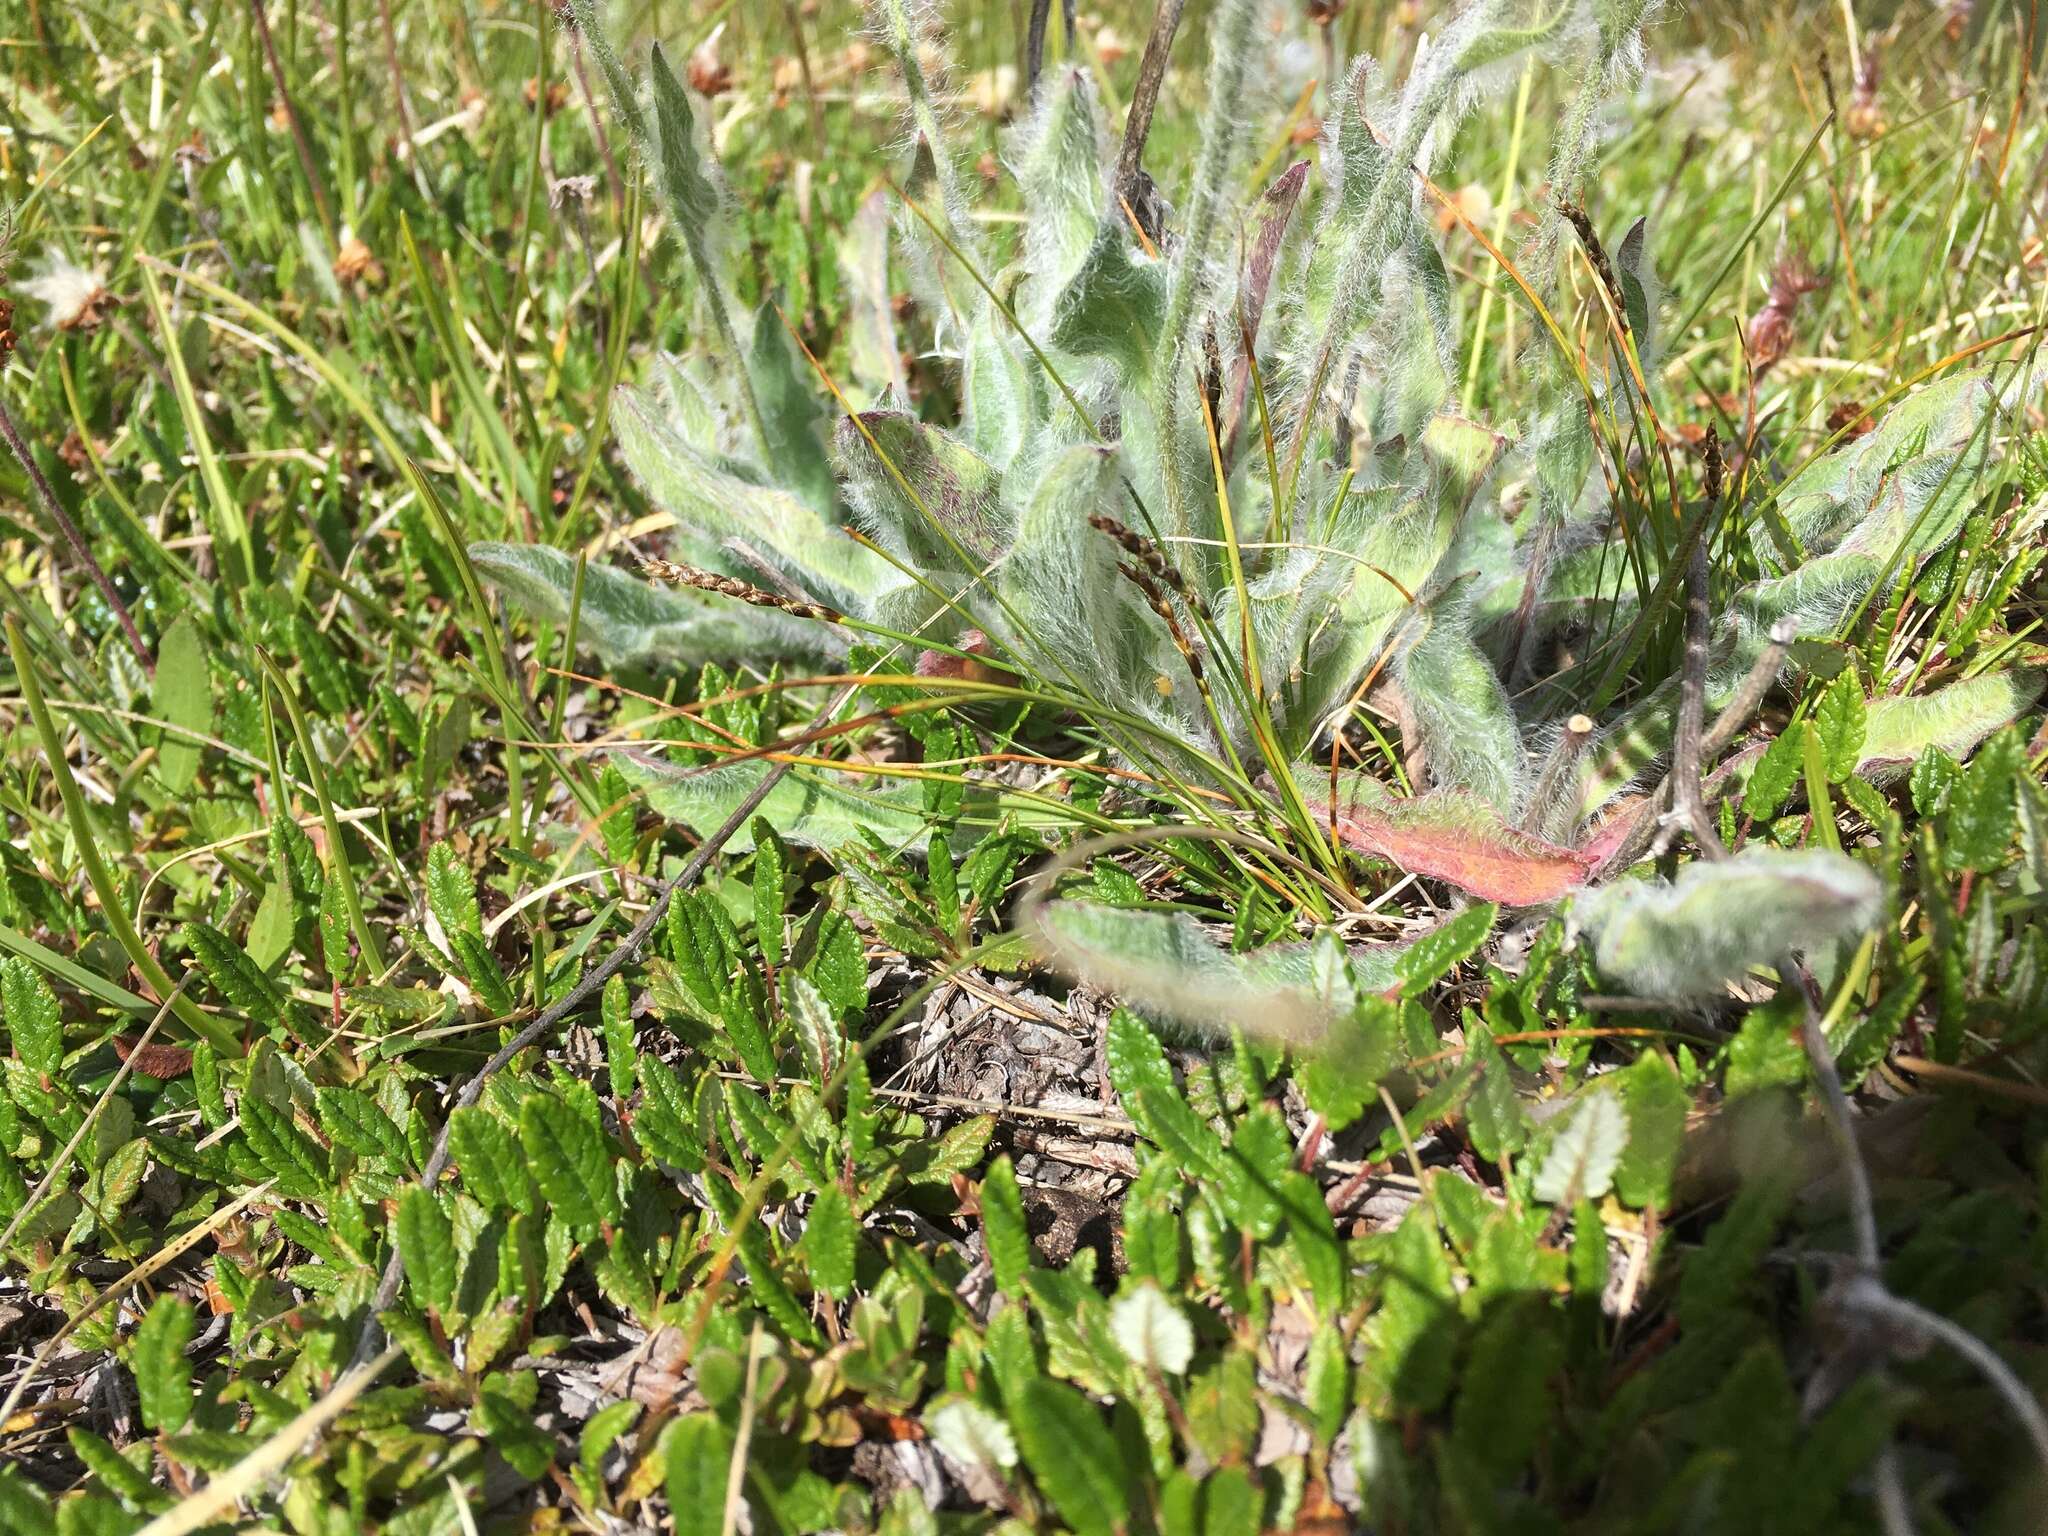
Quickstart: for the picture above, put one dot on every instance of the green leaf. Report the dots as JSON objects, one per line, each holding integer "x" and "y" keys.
{"x": 1144, "y": 1082}
{"x": 1771, "y": 780}
{"x": 1152, "y": 1331}
{"x": 680, "y": 165}
{"x": 663, "y": 1123}
{"x": 828, "y": 1242}
{"x": 351, "y": 1117}
{"x": 1767, "y": 1052}
{"x": 182, "y": 694}
{"x": 1582, "y": 1161}
{"x": 481, "y": 970}
{"x": 749, "y": 1040}
{"x": 34, "y": 1022}
{"x": 1166, "y": 964}
{"x": 1981, "y": 813}
{"x": 791, "y": 412}
{"x": 569, "y": 1161}
{"x": 492, "y": 1166}
{"x": 1075, "y": 1463}
{"x": 839, "y": 965}
{"x": 1504, "y": 1410}
{"x": 1953, "y": 720}
{"x": 817, "y": 1031}
{"x": 1493, "y": 1114}
{"x": 504, "y": 1410}
{"x": 293, "y": 1158}
{"x": 633, "y": 623}
{"x": 1450, "y": 943}
{"x": 620, "y": 1049}
{"x": 451, "y": 892}
{"x": 1412, "y": 1337}
{"x": 426, "y": 1244}
{"x": 1114, "y": 307}
{"x": 156, "y": 1356}
{"x": 1004, "y": 1233}
{"x": 1656, "y": 1104}
{"x": 771, "y": 890}
{"x": 1690, "y": 938}
{"x": 699, "y": 1453}
{"x": 1841, "y": 720}
{"x": 806, "y": 808}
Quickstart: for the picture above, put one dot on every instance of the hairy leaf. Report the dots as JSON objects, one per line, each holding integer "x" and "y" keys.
{"x": 1690, "y": 938}
{"x": 1448, "y": 836}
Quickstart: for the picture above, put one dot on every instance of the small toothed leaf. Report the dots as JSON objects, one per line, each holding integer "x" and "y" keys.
{"x": 34, "y": 1022}
{"x": 1004, "y": 1234}
{"x": 163, "y": 1376}
{"x": 426, "y": 1244}
{"x": 1582, "y": 1161}
{"x": 828, "y": 1242}
{"x": 570, "y": 1162}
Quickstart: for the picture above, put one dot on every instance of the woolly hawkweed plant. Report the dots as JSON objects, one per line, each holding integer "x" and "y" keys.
{"x": 1209, "y": 489}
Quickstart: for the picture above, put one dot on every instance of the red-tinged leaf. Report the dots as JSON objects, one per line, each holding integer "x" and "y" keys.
{"x": 1605, "y": 840}
{"x": 1278, "y": 208}
{"x": 162, "y": 1062}
{"x": 1449, "y": 836}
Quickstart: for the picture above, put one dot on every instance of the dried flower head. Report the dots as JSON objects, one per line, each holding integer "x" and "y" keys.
{"x": 1864, "y": 116}
{"x": 77, "y": 296}
{"x": 558, "y": 94}
{"x": 355, "y": 265}
{"x": 708, "y": 73}
{"x": 1770, "y": 330}
{"x": 568, "y": 190}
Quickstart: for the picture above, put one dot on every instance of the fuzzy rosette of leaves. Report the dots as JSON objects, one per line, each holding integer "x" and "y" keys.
{"x": 1262, "y": 398}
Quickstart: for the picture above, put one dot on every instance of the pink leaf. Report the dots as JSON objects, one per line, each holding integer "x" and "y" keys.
{"x": 1449, "y": 836}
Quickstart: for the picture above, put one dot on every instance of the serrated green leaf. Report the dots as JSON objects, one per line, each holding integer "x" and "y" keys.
{"x": 838, "y": 964}
{"x": 353, "y": 1118}
{"x": 1582, "y": 1161}
{"x": 489, "y": 1159}
{"x": 505, "y": 1413}
{"x": 451, "y": 892}
{"x": 828, "y": 1242}
{"x": 771, "y": 891}
{"x": 287, "y": 1153}
{"x": 426, "y": 1244}
{"x": 1771, "y": 780}
{"x": 817, "y": 1031}
{"x": 570, "y": 1162}
{"x": 1432, "y": 956}
{"x": 698, "y": 1451}
{"x": 620, "y": 1050}
{"x": 1004, "y": 1234}
{"x": 34, "y": 1022}
{"x": 1074, "y": 1462}
{"x": 1981, "y": 812}
{"x": 156, "y": 1357}
{"x": 1841, "y": 720}
{"x": 1656, "y": 1103}
{"x": 663, "y": 1123}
